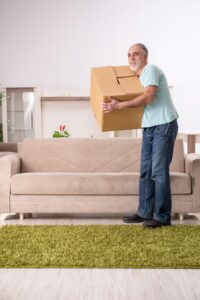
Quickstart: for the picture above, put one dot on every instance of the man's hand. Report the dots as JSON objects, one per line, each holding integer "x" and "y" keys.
{"x": 145, "y": 98}
{"x": 107, "y": 107}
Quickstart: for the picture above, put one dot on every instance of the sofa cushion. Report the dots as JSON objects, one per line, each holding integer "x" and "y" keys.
{"x": 75, "y": 183}
{"x": 88, "y": 183}
{"x": 79, "y": 155}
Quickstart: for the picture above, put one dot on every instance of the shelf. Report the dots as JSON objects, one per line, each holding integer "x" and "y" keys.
{"x": 19, "y": 89}
{"x": 20, "y": 111}
{"x": 74, "y": 98}
{"x": 20, "y": 130}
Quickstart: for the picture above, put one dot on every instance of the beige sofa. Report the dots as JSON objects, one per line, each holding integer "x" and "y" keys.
{"x": 8, "y": 148}
{"x": 88, "y": 176}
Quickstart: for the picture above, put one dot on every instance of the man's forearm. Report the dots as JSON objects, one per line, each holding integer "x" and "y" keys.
{"x": 144, "y": 99}
{"x": 137, "y": 101}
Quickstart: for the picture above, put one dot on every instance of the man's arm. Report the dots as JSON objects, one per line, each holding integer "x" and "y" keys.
{"x": 147, "y": 97}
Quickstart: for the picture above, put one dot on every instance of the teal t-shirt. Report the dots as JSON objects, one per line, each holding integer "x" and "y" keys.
{"x": 161, "y": 110}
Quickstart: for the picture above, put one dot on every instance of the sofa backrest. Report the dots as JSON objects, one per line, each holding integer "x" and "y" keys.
{"x": 88, "y": 155}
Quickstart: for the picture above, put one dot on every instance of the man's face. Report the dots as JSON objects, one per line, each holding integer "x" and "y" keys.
{"x": 137, "y": 58}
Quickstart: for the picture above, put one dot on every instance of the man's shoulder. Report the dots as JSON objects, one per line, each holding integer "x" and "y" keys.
{"x": 152, "y": 75}
{"x": 152, "y": 68}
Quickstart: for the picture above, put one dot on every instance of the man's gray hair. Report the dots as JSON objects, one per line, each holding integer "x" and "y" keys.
{"x": 143, "y": 47}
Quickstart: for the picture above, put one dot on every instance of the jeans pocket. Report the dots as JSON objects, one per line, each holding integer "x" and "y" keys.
{"x": 148, "y": 132}
{"x": 164, "y": 129}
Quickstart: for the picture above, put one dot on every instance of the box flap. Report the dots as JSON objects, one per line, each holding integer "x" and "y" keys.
{"x": 107, "y": 81}
{"x": 130, "y": 85}
{"x": 117, "y": 81}
{"x": 123, "y": 71}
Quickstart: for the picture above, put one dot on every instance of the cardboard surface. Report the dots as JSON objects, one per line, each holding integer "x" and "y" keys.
{"x": 121, "y": 84}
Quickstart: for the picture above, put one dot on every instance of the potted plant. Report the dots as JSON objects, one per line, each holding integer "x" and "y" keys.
{"x": 61, "y": 133}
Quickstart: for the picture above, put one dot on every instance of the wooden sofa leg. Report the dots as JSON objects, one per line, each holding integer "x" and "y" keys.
{"x": 21, "y": 216}
{"x": 181, "y": 216}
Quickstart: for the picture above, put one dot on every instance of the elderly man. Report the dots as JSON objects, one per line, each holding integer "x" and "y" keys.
{"x": 160, "y": 129}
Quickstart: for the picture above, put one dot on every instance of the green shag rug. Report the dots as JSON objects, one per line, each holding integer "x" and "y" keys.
{"x": 99, "y": 246}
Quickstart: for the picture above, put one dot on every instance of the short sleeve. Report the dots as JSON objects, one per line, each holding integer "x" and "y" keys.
{"x": 151, "y": 76}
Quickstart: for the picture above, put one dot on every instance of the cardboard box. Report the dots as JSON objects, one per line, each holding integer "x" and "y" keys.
{"x": 122, "y": 84}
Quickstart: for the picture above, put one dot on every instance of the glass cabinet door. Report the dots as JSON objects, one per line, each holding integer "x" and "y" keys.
{"x": 20, "y": 113}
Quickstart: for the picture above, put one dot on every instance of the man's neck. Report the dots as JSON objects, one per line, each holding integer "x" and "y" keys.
{"x": 139, "y": 72}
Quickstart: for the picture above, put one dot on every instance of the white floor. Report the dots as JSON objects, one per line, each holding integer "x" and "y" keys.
{"x": 96, "y": 284}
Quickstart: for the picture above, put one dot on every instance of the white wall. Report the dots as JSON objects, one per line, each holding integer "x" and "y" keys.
{"x": 54, "y": 43}
{"x": 76, "y": 115}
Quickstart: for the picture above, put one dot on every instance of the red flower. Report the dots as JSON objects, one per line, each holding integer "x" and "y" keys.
{"x": 61, "y": 133}
{"x": 62, "y": 127}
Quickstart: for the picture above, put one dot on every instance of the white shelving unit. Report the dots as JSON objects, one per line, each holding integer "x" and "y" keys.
{"x": 19, "y": 116}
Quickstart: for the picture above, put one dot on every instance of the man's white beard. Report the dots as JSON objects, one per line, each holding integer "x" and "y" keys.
{"x": 135, "y": 68}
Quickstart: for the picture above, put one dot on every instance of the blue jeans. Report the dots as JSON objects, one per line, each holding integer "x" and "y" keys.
{"x": 154, "y": 189}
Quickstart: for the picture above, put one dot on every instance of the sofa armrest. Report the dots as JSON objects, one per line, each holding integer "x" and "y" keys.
{"x": 9, "y": 165}
{"x": 192, "y": 168}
